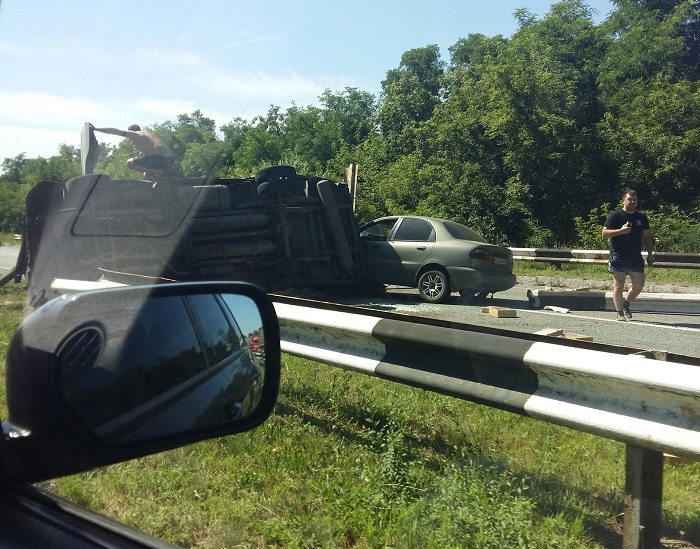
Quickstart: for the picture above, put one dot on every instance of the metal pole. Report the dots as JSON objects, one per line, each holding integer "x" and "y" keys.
{"x": 652, "y": 492}
{"x": 643, "y": 494}
{"x": 633, "y": 498}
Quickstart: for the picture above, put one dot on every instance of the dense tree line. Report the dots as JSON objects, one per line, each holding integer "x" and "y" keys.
{"x": 528, "y": 139}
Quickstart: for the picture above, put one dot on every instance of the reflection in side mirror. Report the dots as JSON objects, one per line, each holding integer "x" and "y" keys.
{"x": 102, "y": 376}
{"x": 171, "y": 365}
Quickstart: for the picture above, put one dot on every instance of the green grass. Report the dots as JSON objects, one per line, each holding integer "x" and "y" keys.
{"x": 351, "y": 461}
{"x": 12, "y": 309}
{"x": 7, "y": 239}
{"x": 662, "y": 275}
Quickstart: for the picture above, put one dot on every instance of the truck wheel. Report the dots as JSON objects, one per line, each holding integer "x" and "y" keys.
{"x": 276, "y": 179}
{"x": 279, "y": 186}
{"x": 275, "y": 172}
{"x": 434, "y": 286}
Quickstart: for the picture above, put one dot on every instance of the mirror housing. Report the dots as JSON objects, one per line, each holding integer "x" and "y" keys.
{"x": 99, "y": 377}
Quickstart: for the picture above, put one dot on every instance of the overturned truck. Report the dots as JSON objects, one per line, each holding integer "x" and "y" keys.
{"x": 278, "y": 229}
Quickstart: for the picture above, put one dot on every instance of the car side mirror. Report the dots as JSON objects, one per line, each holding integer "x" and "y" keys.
{"x": 103, "y": 376}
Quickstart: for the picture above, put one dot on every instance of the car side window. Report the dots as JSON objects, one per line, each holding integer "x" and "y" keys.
{"x": 417, "y": 230}
{"x": 378, "y": 231}
{"x": 219, "y": 336}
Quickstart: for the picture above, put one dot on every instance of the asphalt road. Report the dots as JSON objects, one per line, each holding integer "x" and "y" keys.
{"x": 676, "y": 333}
{"x": 648, "y": 331}
{"x": 8, "y": 258}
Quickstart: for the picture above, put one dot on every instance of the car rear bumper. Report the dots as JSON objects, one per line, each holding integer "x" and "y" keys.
{"x": 480, "y": 280}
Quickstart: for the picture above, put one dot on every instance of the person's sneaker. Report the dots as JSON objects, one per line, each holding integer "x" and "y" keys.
{"x": 627, "y": 312}
{"x": 621, "y": 316}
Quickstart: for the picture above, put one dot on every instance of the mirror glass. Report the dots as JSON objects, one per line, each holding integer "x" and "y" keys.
{"x": 165, "y": 365}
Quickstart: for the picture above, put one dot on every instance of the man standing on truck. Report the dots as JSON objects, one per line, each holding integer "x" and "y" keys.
{"x": 154, "y": 156}
{"x": 627, "y": 229}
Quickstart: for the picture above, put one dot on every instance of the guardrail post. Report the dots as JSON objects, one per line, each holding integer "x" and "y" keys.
{"x": 643, "y": 493}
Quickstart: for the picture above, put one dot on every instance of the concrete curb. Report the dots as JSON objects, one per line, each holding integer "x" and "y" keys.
{"x": 661, "y": 303}
{"x": 598, "y": 300}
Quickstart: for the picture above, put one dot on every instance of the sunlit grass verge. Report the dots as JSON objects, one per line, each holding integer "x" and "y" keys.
{"x": 13, "y": 300}
{"x": 352, "y": 461}
{"x": 8, "y": 239}
{"x": 662, "y": 275}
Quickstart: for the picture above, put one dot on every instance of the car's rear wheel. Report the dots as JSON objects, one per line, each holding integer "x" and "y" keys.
{"x": 434, "y": 286}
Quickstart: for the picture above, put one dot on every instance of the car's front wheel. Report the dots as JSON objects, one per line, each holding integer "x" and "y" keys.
{"x": 434, "y": 286}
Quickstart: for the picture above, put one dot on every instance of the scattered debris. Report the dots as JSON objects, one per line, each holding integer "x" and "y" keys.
{"x": 553, "y": 332}
{"x": 556, "y": 309}
{"x": 500, "y": 312}
{"x": 670, "y": 459}
{"x": 558, "y": 332}
{"x": 579, "y": 337}
{"x": 551, "y": 289}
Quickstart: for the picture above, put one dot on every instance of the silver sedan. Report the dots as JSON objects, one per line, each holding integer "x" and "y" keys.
{"x": 436, "y": 256}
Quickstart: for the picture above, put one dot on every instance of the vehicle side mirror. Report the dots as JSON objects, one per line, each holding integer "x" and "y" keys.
{"x": 103, "y": 376}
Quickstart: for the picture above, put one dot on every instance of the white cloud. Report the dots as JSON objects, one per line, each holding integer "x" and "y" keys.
{"x": 41, "y": 109}
{"x": 157, "y": 110}
{"x": 15, "y": 140}
{"x": 263, "y": 88}
{"x": 37, "y": 122}
{"x": 165, "y": 59}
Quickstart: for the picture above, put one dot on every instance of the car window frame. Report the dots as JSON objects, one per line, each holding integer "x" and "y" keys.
{"x": 408, "y": 220}
{"x": 380, "y": 222}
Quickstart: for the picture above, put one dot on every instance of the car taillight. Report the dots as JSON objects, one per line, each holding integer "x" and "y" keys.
{"x": 480, "y": 253}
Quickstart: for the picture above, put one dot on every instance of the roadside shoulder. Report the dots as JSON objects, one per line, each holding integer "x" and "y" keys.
{"x": 570, "y": 283}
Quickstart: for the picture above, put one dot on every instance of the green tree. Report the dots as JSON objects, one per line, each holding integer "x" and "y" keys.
{"x": 649, "y": 82}
{"x": 262, "y": 145}
{"x": 186, "y": 130}
{"x": 517, "y": 129}
{"x": 316, "y": 136}
{"x": 410, "y": 94}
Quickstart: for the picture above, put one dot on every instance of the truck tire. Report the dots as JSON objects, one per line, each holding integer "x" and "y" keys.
{"x": 275, "y": 172}
{"x": 279, "y": 186}
{"x": 276, "y": 179}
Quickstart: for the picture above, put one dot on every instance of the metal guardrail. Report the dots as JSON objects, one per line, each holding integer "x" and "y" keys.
{"x": 600, "y": 257}
{"x": 595, "y": 388}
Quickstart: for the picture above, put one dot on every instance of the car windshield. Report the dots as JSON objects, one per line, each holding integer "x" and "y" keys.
{"x": 412, "y": 161}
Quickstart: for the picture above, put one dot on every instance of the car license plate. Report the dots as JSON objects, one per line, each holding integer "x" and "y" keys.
{"x": 499, "y": 260}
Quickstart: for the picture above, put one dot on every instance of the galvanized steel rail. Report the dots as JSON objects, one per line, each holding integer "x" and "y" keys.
{"x": 600, "y": 257}
{"x": 615, "y": 392}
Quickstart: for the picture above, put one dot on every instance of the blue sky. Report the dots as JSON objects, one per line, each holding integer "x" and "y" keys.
{"x": 119, "y": 63}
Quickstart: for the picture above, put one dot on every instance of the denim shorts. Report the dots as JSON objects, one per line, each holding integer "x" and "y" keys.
{"x": 620, "y": 264}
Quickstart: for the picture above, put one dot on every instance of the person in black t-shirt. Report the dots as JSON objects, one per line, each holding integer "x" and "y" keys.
{"x": 627, "y": 230}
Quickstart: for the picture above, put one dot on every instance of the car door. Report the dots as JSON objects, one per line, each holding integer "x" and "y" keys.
{"x": 412, "y": 242}
{"x": 382, "y": 263}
